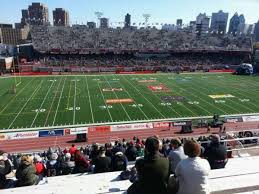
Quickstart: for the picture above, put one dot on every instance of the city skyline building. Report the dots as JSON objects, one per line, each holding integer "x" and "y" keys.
{"x": 127, "y": 21}
{"x": 219, "y": 22}
{"x": 60, "y": 17}
{"x": 104, "y": 23}
{"x": 202, "y": 24}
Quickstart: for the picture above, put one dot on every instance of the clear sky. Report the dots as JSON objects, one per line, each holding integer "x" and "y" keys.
{"x": 162, "y": 11}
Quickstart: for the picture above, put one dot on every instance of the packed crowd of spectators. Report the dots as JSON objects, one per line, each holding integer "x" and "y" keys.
{"x": 45, "y": 38}
{"x": 155, "y": 160}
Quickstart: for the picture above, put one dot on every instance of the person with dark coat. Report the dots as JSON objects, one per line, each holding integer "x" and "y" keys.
{"x": 53, "y": 165}
{"x": 26, "y": 173}
{"x": 119, "y": 162}
{"x": 102, "y": 162}
{"x": 118, "y": 148}
{"x": 5, "y": 168}
{"x": 67, "y": 166}
{"x": 153, "y": 171}
{"x": 216, "y": 153}
{"x": 131, "y": 152}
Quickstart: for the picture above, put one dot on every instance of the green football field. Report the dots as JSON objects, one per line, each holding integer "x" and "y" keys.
{"x": 74, "y": 100}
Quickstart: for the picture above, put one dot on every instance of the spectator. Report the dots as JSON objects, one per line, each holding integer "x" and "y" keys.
{"x": 118, "y": 148}
{"x": 102, "y": 163}
{"x": 176, "y": 154}
{"x": 153, "y": 171}
{"x": 193, "y": 172}
{"x": 94, "y": 152}
{"x": 26, "y": 173}
{"x": 72, "y": 150}
{"x": 40, "y": 168}
{"x": 140, "y": 150}
{"x": 131, "y": 152}
{"x": 53, "y": 165}
{"x": 81, "y": 164}
{"x": 119, "y": 162}
{"x": 5, "y": 168}
{"x": 67, "y": 166}
{"x": 216, "y": 153}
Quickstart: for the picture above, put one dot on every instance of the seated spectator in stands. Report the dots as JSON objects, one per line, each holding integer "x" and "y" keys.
{"x": 53, "y": 165}
{"x": 26, "y": 173}
{"x": 152, "y": 171}
{"x": 102, "y": 163}
{"x": 108, "y": 147}
{"x": 81, "y": 163}
{"x": 72, "y": 150}
{"x": 140, "y": 150}
{"x": 118, "y": 148}
{"x": 119, "y": 162}
{"x": 193, "y": 173}
{"x": 40, "y": 168}
{"x": 5, "y": 169}
{"x": 94, "y": 152}
{"x": 176, "y": 154}
{"x": 131, "y": 152}
{"x": 67, "y": 166}
{"x": 216, "y": 153}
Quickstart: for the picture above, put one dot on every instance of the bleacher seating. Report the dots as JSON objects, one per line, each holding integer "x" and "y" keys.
{"x": 239, "y": 175}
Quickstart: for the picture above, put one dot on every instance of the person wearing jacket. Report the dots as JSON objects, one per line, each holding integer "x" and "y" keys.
{"x": 5, "y": 168}
{"x": 26, "y": 173}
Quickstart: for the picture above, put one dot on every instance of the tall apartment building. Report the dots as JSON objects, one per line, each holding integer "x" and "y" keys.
{"x": 60, "y": 17}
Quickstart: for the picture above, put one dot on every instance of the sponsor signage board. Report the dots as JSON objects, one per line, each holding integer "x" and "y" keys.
{"x": 233, "y": 119}
{"x": 57, "y": 132}
{"x": 79, "y": 130}
{"x": 182, "y": 123}
{"x": 161, "y": 125}
{"x": 118, "y": 101}
{"x": 22, "y": 135}
{"x": 250, "y": 118}
{"x": 136, "y": 126}
{"x": 99, "y": 129}
{"x": 221, "y": 96}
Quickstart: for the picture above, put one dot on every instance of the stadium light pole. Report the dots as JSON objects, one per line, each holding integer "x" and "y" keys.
{"x": 146, "y": 16}
{"x": 98, "y": 15}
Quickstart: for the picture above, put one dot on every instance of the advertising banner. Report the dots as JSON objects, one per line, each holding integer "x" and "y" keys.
{"x": 182, "y": 123}
{"x": 161, "y": 125}
{"x": 132, "y": 127}
{"x": 250, "y": 118}
{"x": 99, "y": 129}
{"x": 22, "y": 135}
{"x": 233, "y": 119}
{"x": 79, "y": 130}
{"x": 58, "y": 132}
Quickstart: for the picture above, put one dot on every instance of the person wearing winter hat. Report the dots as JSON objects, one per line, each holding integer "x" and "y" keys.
{"x": 119, "y": 162}
{"x": 53, "y": 165}
{"x": 5, "y": 168}
{"x": 67, "y": 166}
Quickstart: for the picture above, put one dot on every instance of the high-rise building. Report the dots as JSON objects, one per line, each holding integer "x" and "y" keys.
{"x": 104, "y": 23}
{"x": 202, "y": 24}
{"x": 60, "y": 17}
{"x": 219, "y": 22}
{"x": 256, "y": 31}
{"x": 127, "y": 21}
{"x": 9, "y": 35}
{"x": 91, "y": 25}
{"x": 36, "y": 14}
{"x": 234, "y": 24}
{"x": 179, "y": 22}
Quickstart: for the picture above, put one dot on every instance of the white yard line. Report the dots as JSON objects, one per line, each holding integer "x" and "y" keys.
{"x": 144, "y": 97}
{"x": 15, "y": 96}
{"x": 52, "y": 102}
{"x": 74, "y": 115}
{"x": 34, "y": 92}
{"x": 105, "y": 102}
{"x": 42, "y": 104}
{"x": 56, "y": 112}
{"x": 118, "y": 98}
{"x": 133, "y": 98}
{"x": 89, "y": 97}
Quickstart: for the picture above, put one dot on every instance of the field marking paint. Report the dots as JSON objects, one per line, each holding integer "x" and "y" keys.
{"x": 34, "y": 92}
{"x": 4, "y": 107}
{"x": 104, "y": 102}
{"x": 74, "y": 114}
{"x": 89, "y": 97}
{"x": 187, "y": 98}
{"x": 144, "y": 97}
{"x": 69, "y": 94}
{"x": 42, "y": 104}
{"x": 52, "y": 102}
{"x": 118, "y": 98}
{"x": 230, "y": 107}
{"x": 134, "y": 101}
{"x": 54, "y": 120}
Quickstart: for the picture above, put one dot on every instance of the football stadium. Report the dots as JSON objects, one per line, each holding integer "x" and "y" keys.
{"x": 129, "y": 103}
